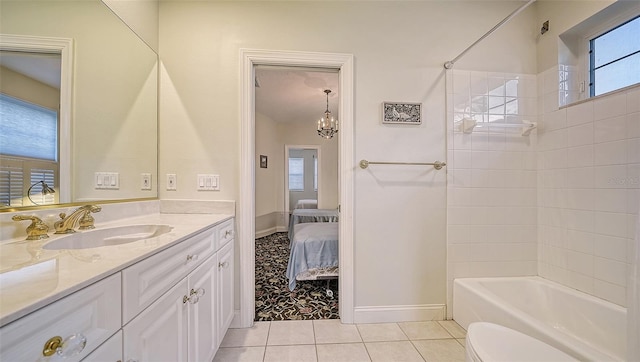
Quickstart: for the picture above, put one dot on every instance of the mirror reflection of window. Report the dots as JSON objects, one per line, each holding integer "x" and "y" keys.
{"x": 28, "y": 152}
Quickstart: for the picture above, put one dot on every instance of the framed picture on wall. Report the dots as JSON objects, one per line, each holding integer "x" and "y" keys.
{"x": 263, "y": 161}
{"x": 401, "y": 113}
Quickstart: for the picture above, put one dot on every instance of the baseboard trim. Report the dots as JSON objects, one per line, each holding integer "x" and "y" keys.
{"x": 403, "y": 313}
{"x": 235, "y": 322}
{"x": 269, "y": 231}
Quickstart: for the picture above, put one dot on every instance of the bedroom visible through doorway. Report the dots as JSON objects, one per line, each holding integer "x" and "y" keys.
{"x": 300, "y": 180}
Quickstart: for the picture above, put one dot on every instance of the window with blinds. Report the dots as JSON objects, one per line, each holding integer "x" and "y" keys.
{"x": 28, "y": 152}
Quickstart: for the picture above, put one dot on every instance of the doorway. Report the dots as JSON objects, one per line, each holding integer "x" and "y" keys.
{"x": 246, "y": 207}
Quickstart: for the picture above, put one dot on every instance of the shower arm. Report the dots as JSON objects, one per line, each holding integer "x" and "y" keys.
{"x": 449, "y": 64}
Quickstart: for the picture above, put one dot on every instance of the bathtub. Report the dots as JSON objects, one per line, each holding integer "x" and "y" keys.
{"x": 586, "y": 327}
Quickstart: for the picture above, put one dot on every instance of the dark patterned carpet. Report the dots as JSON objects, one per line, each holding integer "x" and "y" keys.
{"x": 274, "y": 301}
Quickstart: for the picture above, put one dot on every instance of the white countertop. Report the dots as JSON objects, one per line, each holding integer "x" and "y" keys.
{"x": 32, "y": 277}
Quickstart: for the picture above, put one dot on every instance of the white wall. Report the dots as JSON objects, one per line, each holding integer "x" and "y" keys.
{"x": 399, "y": 50}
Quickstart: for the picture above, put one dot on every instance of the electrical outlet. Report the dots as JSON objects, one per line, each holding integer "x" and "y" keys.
{"x": 172, "y": 182}
{"x": 145, "y": 181}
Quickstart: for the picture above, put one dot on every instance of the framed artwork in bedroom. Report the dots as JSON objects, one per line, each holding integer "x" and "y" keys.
{"x": 401, "y": 113}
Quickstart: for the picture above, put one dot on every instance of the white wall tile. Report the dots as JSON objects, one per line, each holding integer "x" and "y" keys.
{"x": 580, "y": 177}
{"x": 580, "y": 135}
{"x": 610, "y": 177}
{"x": 610, "y": 247}
{"x": 611, "y": 106}
{"x": 633, "y": 125}
{"x": 580, "y": 156}
{"x": 608, "y": 223}
{"x": 580, "y": 262}
{"x": 610, "y": 271}
{"x": 610, "y": 200}
{"x": 580, "y": 113}
{"x": 610, "y": 153}
{"x": 610, "y": 129}
{"x": 611, "y": 292}
{"x": 633, "y": 150}
{"x": 633, "y": 100}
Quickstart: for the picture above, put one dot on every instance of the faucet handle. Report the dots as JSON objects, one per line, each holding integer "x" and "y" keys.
{"x": 36, "y": 230}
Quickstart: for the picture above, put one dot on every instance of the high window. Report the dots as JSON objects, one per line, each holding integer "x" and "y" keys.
{"x": 614, "y": 58}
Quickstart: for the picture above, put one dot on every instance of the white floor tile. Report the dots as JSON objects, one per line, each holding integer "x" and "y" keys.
{"x": 381, "y": 332}
{"x": 240, "y": 354}
{"x": 424, "y": 330}
{"x": 346, "y": 352}
{"x": 284, "y": 333}
{"x": 454, "y": 329}
{"x": 440, "y": 350}
{"x": 332, "y": 331}
{"x": 246, "y": 337}
{"x": 393, "y": 351}
{"x": 299, "y": 353}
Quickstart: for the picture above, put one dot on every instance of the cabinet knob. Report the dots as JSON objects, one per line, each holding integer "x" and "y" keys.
{"x": 192, "y": 257}
{"x": 70, "y": 346}
{"x": 228, "y": 233}
{"x": 223, "y": 265}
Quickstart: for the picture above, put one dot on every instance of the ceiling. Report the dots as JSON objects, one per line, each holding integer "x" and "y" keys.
{"x": 295, "y": 94}
{"x": 43, "y": 67}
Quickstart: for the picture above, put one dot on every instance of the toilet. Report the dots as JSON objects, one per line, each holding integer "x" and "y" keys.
{"x": 489, "y": 342}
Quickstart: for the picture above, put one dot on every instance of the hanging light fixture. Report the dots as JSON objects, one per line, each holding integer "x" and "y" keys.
{"x": 327, "y": 125}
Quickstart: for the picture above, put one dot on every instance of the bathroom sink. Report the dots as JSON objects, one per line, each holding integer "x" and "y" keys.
{"x": 107, "y": 237}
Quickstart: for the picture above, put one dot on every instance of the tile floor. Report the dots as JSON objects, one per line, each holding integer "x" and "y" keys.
{"x": 329, "y": 340}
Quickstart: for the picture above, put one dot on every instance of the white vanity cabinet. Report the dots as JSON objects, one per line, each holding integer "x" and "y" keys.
{"x": 175, "y": 305}
{"x": 188, "y": 322}
{"x": 93, "y": 313}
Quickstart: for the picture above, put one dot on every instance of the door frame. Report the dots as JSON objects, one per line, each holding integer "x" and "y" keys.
{"x": 287, "y": 150}
{"x": 346, "y": 166}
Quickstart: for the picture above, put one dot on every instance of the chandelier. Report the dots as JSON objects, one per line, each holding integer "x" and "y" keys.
{"x": 327, "y": 125}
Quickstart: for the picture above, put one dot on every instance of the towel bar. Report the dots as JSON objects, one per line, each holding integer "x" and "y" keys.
{"x": 437, "y": 165}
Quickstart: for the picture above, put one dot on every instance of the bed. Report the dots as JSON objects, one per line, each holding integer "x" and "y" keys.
{"x": 300, "y": 216}
{"x": 307, "y": 204}
{"x": 314, "y": 252}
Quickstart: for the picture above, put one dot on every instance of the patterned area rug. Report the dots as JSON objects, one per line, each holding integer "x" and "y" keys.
{"x": 274, "y": 301}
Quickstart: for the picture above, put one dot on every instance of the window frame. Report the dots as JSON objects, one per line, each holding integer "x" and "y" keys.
{"x": 590, "y": 57}
{"x": 579, "y": 38}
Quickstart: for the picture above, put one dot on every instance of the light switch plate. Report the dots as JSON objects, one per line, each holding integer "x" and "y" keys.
{"x": 208, "y": 182}
{"x": 172, "y": 182}
{"x": 107, "y": 181}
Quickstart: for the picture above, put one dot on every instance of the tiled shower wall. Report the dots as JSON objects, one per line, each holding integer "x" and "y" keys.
{"x": 492, "y": 182}
{"x": 588, "y": 188}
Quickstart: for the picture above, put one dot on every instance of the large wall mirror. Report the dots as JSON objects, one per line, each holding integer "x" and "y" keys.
{"x": 107, "y": 149}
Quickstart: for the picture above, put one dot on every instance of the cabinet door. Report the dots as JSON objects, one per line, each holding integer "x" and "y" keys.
{"x": 146, "y": 281}
{"x": 110, "y": 351}
{"x": 202, "y": 312}
{"x": 159, "y": 333}
{"x": 225, "y": 290}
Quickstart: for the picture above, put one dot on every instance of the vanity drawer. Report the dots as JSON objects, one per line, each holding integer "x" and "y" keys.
{"x": 94, "y": 312}
{"x": 225, "y": 233}
{"x": 146, "y": 281}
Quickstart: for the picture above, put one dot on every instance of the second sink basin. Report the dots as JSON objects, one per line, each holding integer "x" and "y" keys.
{"x": 107, "y": 237}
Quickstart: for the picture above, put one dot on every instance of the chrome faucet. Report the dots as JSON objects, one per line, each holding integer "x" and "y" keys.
{"x": 81, "y": 217}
